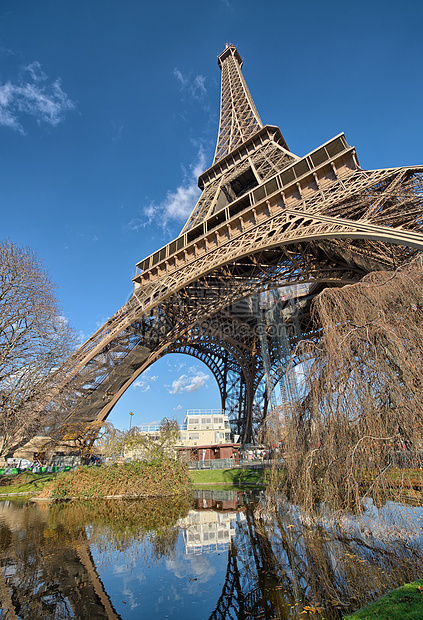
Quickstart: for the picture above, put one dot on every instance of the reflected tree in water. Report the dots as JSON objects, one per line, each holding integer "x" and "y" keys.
{"x": 281, "y": 563}
{"x": 285, "y": 564}
{"x": 47, "y": 570}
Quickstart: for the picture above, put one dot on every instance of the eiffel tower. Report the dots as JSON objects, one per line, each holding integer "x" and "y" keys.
{"x": 266, "y": 220}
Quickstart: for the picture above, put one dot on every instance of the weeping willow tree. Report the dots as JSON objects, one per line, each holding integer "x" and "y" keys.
{"x": 355, "y": 427}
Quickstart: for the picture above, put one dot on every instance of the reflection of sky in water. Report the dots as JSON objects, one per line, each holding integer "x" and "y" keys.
{"x": 389, "y": 523}
{"x": 182, "y": 586}
{"x": 280, "y": 556}
{"x": 188, "y": 565}
{"x": 378, "y": 537}
{"x": 386, "y": 522}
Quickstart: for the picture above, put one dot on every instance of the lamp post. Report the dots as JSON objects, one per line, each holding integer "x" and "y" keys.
{"x": 130, "y": 419}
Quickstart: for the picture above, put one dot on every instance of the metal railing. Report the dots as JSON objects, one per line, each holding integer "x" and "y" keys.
{"x": 211, "y": 464}
{"x": 205, "y": 412}
{"x": 261, "y": 464}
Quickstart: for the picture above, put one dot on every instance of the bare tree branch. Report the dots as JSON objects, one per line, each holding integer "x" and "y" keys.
{"x": 34, "y": 339}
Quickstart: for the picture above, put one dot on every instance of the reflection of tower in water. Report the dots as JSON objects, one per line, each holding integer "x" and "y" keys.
{"x": 45, "y": 571}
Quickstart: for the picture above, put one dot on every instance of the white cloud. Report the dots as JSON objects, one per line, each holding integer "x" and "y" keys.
{"x": 118, "y": 129}
{"x": 101, "y": 320}
{"x": 172, "y": 366}
{"x": 33, "y": 96}
{"x": 199, "y": 84}
{"x": 144, "y": 382}
{"x": 185, "y": 566}
{"x": 178, "y": 205}
{"x": 181, "y": 79}
{"x": 189, "y": 383}
{"x": 81, "y": 337}
{"x": 196, "y": 87}
{"x": 34, "y": 69}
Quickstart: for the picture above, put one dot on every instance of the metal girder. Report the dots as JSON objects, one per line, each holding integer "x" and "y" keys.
{"x": 239, "y": 118}
{"x": 265, "y": 219}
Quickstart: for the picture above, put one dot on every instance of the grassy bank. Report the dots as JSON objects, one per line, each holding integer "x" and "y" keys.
{"x": 405, "y": 603}
{"x": 58, "y": 484}
{"x": 25, "y": 482}
{"x": 237, "y": 477}
{"x": 140, "y": 478}
{"x": 30, "y": 483}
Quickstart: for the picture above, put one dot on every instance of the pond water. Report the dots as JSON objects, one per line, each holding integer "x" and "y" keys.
{"x": 220, "y": 555}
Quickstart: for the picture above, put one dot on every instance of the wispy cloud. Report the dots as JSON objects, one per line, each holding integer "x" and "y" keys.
{"x": 5, "y": 51}
{"x": 33, "y": 95}
{"x": 195, "y": 87}
{"x": 118, "y": 129}
{"x": 175, "y": 366}
{"x": 101, "y": 320}
{"x": 144, "y": 383}
{"x": 178, "y": 204}
{"x": 81, "y": 337}
{"x": 191, "y": 382}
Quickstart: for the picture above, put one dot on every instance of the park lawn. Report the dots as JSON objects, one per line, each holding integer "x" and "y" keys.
{"x": 399, "y": 477}
{"x": 25, "y": 482}
{"x": 405, "y": 603}
{"x": 237, "y": 477}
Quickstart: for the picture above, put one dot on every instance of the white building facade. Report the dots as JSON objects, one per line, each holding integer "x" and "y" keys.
{"x": 205, "y": 427}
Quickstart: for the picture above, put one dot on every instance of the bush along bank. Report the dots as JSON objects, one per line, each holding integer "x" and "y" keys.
{"x": 160, "y": 477}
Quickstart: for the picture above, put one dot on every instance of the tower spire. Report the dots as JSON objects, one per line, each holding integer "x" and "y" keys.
{"x": 239, "y": 118}
{"x": 247, "y": 153}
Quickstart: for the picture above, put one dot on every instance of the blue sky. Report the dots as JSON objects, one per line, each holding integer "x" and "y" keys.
{"x": 109, "y": 110}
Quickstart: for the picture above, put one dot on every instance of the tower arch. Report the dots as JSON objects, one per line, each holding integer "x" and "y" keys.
{"x": 266, "y": 218}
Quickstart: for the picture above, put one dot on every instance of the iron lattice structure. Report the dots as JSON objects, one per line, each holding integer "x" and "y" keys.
{"x": 266, "y": 219}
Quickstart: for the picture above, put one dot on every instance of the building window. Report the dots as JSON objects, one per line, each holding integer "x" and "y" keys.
{"x": 194, "y": 436}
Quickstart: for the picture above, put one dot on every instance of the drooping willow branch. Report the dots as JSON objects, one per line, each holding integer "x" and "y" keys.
{"x": 357, "y": 416}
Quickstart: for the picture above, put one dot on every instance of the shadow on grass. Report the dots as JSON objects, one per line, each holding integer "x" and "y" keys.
{"x": 26, "y": 481}
{"x": 236, "y": 477}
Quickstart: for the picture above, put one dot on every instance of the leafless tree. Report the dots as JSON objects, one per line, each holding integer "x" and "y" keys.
{"x": 355, "y": 428}
{"x": 35, "y": 338}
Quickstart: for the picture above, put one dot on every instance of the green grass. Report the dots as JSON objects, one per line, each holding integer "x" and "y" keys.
{"x": 25, "y": 482}
{"x": 237, "y": 477}
{"x": 405, "y": 603}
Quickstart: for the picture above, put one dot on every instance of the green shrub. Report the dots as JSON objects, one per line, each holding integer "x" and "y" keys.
{"x": 138, "y": 478}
